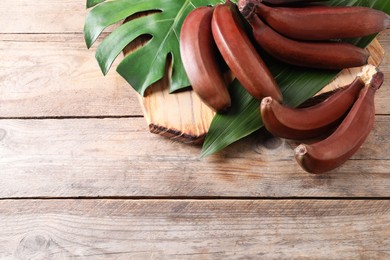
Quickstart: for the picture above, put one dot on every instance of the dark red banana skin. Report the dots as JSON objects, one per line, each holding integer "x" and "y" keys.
{"x": 323, "y": 22}
{"x": 200, "y": 59}
{"x": 240, "y": 55}
{"x": 335, "y": 150}
{"x": 320, "y": 55}
{"x": 309, "y": 122}
{"x": 242, "y": 3}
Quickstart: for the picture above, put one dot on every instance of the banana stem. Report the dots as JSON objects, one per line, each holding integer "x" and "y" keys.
{"x": 377, "y": 80}
{"x": 372, "y": 76}
{"x": 248, "y": 7}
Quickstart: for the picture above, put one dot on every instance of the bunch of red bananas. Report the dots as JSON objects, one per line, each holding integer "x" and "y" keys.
{"x": 213, "y": 41}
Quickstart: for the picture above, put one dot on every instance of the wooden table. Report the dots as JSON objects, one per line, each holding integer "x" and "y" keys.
{"x": 82, "y": 177}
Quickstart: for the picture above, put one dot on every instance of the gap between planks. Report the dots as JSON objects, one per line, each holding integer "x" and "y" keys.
{"x": 92, "y": 117}
{"x": 71, "y": 117}
{"x": 195, "y": 198}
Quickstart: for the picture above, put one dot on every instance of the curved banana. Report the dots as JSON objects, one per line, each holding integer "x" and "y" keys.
{"x": 333, "y": 151}
{"x": 240, "y": 55}
{"x": 321, "y": 55}
{"x": 200, "y": 59}
{"x": 309, "y": 122}
{"x": 323, "y": 22}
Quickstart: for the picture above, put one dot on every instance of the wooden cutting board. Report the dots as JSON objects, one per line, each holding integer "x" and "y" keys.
{"x": 183, "y": 116}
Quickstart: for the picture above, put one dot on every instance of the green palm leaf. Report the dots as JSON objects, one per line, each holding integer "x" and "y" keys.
{"x": 163, "y": 26}
{"x": 296, "y": 84}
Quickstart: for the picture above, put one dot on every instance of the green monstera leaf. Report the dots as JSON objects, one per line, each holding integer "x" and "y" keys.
{"x": 92, "y": 3}
{"x": 147, "y": 64}
{"x": 297, "y": 85}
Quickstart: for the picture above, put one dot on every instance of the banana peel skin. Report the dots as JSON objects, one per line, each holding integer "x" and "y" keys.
{"x": 201, "y": 59}
{"x": 335, "y": 150}
{"x": 320, "y": 55}
{"x": 319, "y": 22}
{"x": 240, "y": 55}
{"x": 310, "y": 122}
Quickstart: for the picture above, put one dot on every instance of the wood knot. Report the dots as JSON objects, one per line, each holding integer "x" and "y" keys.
{"x": 33, "y": 247}
{"x": 272, "y": 143}
{"x": 267, "y": 143}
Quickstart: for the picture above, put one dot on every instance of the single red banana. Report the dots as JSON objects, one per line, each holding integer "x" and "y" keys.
{"x": 323, "y": 22}
{"x": 321, "y": 55}
{"x": 309, "y": 122}
{"x": 240, "y": 55}
{"x": 200, "y": 59}
{"x": 333, "y": 151}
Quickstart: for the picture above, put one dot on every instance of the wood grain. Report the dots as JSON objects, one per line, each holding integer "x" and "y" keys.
{"x": 160, "y": 200}
{"x": 190, "y": 229}
{"x": 42, "y": 16}
{"x": 180, "y": 116}
{"x": 119, "y": 157}
{"x": 55, "y": 75}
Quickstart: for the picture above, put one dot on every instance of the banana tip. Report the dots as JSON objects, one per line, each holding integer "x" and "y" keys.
{"x": 225, "y": 109}
{"x": 368, "y": 71}
{"x": 372, "y": 76}
{"x": 300, "y": 151}
{"x": 300, "y": 154}
{"x": 247, "y": 7}
{"x": 266, "y": 101}
{"x": 377, "y": 80}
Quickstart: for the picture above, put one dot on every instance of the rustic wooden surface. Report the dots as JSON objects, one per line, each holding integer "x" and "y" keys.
{"x": 82, "y": 177}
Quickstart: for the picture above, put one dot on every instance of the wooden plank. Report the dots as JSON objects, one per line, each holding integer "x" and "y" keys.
{"x": 42, "y": 16}
{"x": 55, "y": 75}
{"x": 59, "y": 68}
{"x": 382, "y": 99}
{"x": 119, "y": 157}
{"x": 188, "y": 229}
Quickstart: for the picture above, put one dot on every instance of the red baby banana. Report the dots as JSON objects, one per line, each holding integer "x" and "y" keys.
{"x": 200, "y": 59}
{"x": 321, "y": 55}
{"x": 240, "y": 55}
{"x": 333, "y": 151}
{"x": 323, "y": 22}
{"x": 309, "y": 122}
